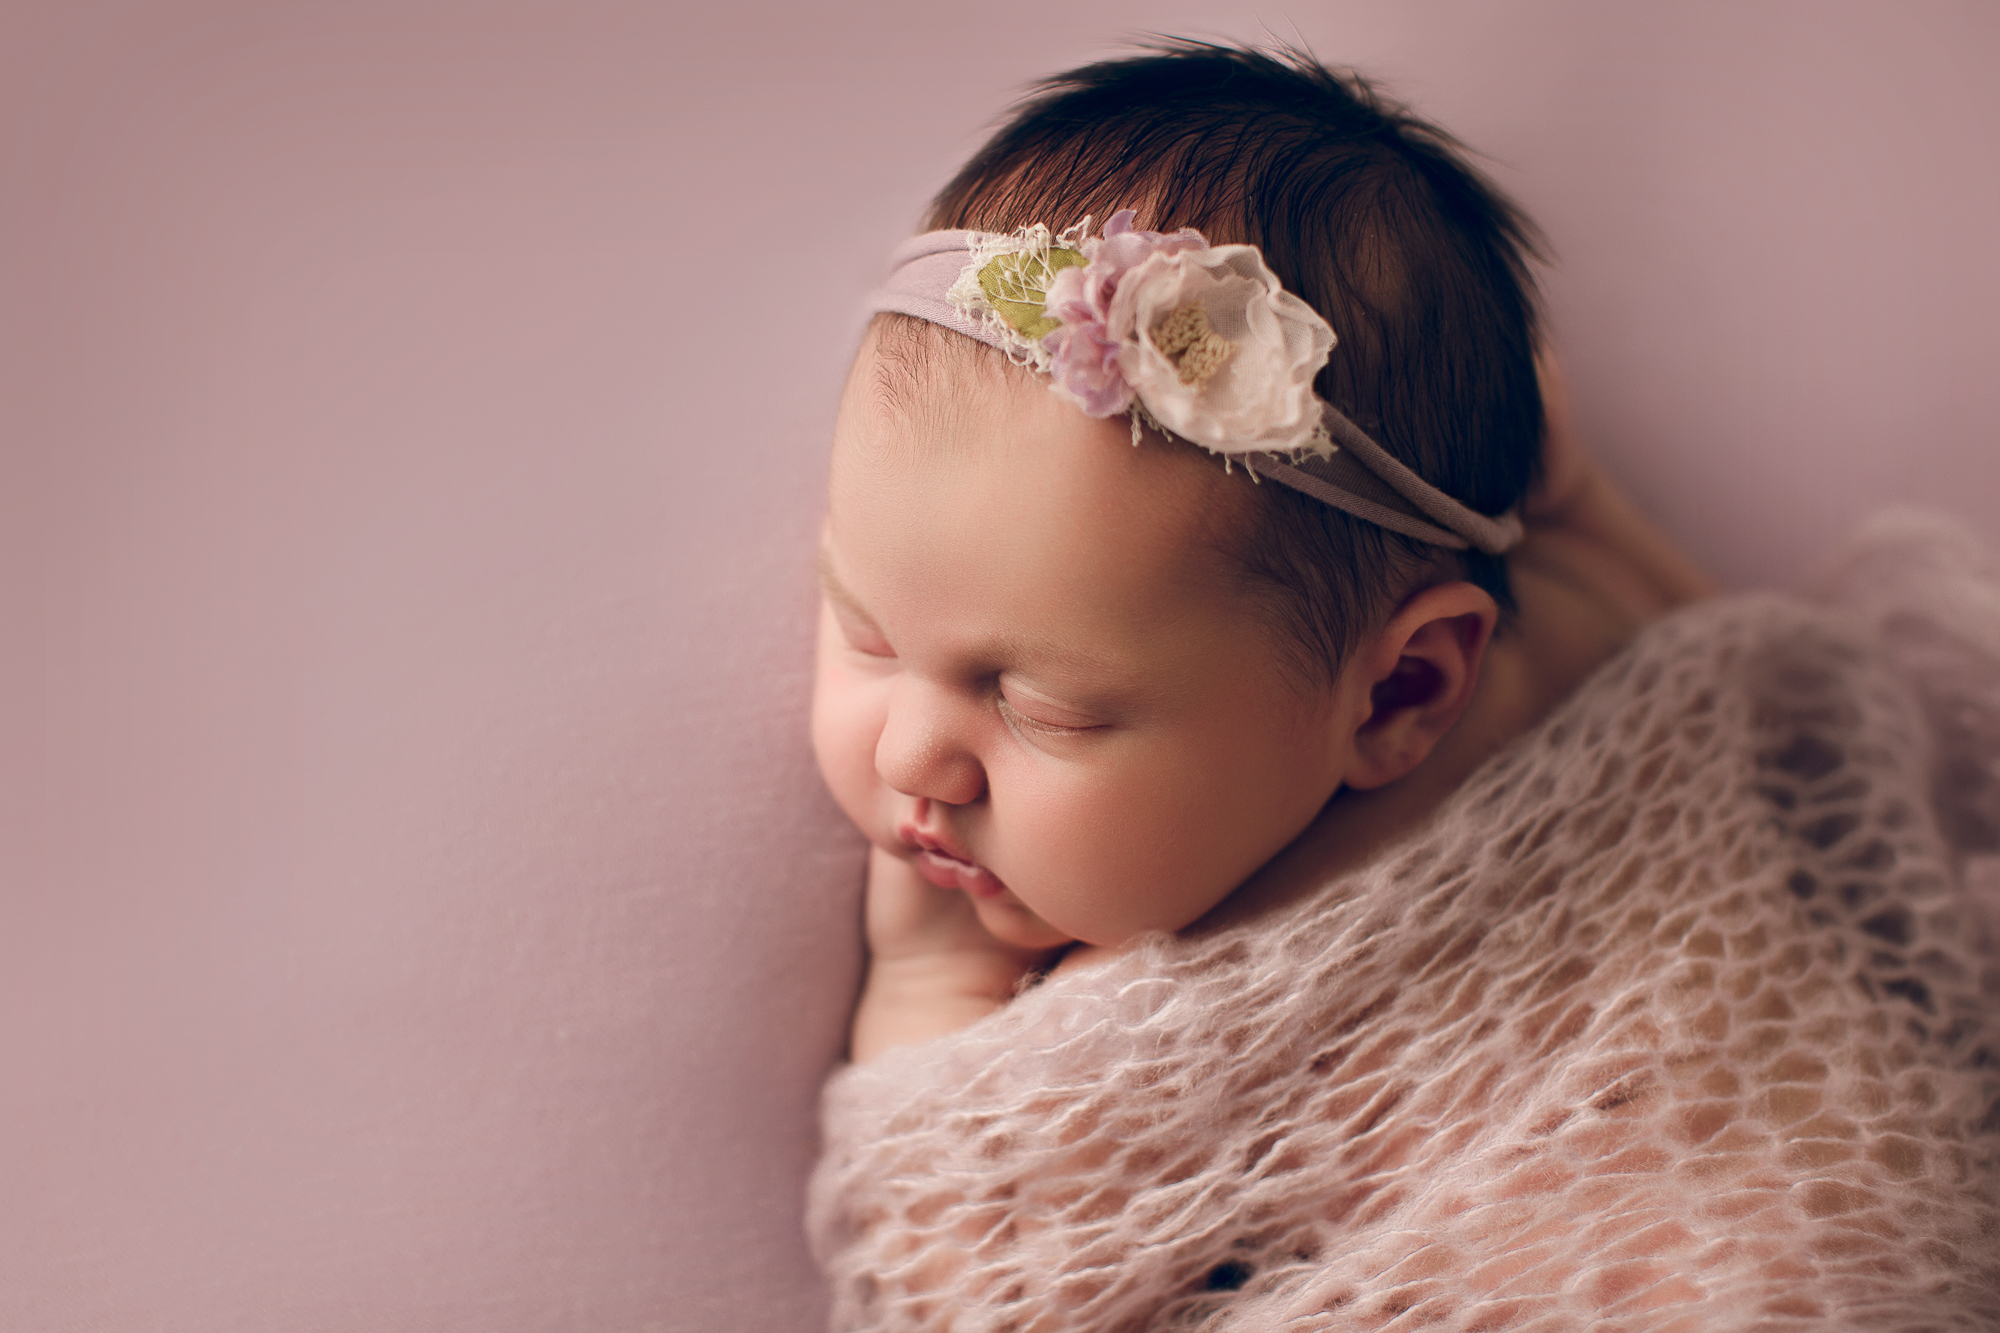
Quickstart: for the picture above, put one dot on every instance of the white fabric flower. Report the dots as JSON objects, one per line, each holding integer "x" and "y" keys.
{"x": 1259, "y": 398}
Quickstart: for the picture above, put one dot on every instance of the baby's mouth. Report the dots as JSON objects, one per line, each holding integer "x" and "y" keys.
{"x": 945, "y": 867}
{"x": 948, "y": 872}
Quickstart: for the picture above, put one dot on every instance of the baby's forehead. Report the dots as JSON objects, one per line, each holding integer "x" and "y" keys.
{"x": 925, "y": 376}
{"x": 1042, "y": 503}
{"x": 922, "y": 397}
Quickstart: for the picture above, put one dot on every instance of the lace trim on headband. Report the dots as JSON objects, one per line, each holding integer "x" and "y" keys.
{"x": 1004, "y": 287}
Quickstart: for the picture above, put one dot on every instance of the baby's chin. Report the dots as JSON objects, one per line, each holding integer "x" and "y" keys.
{"x": 1009, "y": 922}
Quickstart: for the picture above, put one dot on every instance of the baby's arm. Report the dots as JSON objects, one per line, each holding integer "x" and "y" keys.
{"x": 932, "y": 968}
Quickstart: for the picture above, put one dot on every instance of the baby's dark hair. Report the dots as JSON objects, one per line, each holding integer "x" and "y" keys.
{"x": 1369, "y": 214}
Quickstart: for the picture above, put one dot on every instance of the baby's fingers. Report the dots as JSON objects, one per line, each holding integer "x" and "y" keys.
{"x": 908, "y": 916}
{"x": 1566, "y": 466}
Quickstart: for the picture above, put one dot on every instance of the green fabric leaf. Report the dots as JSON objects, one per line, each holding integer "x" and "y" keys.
{"x": 1016, "y": 286}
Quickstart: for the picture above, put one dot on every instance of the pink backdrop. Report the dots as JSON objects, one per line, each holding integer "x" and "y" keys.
{"x": 417, "y": 907}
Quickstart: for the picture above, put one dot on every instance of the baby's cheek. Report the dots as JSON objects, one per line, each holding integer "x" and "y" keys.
{"x": 845, "y": 728}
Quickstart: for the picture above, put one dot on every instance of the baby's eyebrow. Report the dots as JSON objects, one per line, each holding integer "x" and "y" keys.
{"x": 1054, "y": 652}
{"x": 836, "y": 591}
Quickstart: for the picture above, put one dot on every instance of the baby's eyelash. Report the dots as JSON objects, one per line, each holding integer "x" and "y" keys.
{"x": 1019, "y": 718}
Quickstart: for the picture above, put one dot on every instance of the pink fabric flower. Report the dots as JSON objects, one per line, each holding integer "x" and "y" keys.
{"x": 1085, "y": 366}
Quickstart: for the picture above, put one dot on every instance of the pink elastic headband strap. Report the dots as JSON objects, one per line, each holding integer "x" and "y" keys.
{"x": 1457, "y": 526}
{"x": 923, "y": 268}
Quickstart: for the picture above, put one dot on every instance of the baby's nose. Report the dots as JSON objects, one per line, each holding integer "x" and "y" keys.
{"x": 922, "y": 750}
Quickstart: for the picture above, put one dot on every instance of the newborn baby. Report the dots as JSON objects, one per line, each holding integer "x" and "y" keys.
{"x": 1250, "y": 945}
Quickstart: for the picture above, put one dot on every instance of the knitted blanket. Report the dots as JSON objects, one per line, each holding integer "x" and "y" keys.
{"x": 1681, "y": 1014}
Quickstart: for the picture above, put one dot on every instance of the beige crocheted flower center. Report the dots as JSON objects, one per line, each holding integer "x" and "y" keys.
{"x": 1185, "y": 338}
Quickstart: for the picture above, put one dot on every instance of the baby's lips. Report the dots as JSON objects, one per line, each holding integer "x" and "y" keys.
{"x": 948, "y": 872}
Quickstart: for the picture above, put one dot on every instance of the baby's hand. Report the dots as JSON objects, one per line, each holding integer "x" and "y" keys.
{"x": 1568, "y": 471}
{"x": 932, "y": 968}
{"x": 1584, "y": 532}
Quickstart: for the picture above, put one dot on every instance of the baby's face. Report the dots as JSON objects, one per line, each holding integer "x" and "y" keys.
{"x": 1038, "y": 681}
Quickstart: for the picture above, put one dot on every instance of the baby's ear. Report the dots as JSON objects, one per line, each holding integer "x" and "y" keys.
{"x": 1420, "y": 671}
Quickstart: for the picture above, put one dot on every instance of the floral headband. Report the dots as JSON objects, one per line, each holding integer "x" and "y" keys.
{"x": 1194, "y": 339}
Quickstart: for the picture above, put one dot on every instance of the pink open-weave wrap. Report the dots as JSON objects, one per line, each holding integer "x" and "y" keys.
{"x": 1680, "y": 1015}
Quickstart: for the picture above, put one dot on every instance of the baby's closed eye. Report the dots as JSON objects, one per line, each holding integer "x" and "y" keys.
{"x": 858, "y": 631}
{"x": 1025, "y": 708}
